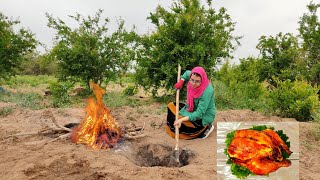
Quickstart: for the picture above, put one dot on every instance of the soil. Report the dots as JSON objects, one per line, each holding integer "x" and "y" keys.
{"x": 28, "y": 157}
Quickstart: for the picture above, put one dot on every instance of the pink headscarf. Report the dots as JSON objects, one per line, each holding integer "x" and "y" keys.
{"x": 196, "y": 92}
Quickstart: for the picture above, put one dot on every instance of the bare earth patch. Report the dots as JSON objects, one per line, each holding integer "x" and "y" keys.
{"x": 25, "y": 157}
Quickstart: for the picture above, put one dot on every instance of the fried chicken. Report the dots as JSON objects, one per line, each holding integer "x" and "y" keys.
{"x": 259, "y": 151}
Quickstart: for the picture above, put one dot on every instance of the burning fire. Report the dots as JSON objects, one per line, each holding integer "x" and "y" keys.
{"x": 99, "y": 129}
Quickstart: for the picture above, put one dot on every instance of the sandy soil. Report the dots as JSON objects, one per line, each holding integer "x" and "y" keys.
{"x": 28, "y": 157}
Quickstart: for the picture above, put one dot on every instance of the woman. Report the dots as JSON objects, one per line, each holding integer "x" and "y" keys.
{"x": 196, "y": 117}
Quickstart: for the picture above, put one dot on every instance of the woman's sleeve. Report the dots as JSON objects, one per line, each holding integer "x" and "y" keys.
{"x": 186, "y": 76}
{"x": 204, "y": 102}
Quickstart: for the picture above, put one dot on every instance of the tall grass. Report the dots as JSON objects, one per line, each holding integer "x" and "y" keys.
{"x": 28, "y": 80}
{"x": 27, "y": 100}
{"x": 117, "y": 99}
{"x": 5, "y": 111}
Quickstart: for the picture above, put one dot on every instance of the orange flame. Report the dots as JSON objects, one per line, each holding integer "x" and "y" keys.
{"x": 99, "y": 129}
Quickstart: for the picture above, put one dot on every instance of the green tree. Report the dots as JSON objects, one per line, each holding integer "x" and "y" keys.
{"x": 188, "y": 34}
{"x": 310, "y": 32}
{"x": 36, "y": 64}
{"x": 88, "y": 52}
{"x": 248, "y": 70}
{"x": 278, "y": 57}
{"x": 13, "y": 46}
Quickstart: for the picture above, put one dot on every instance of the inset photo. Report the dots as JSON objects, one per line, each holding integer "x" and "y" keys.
{"x": 258, "y": 150}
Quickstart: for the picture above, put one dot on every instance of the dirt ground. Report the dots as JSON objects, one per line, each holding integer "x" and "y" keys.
{"x": 28, "y": 157}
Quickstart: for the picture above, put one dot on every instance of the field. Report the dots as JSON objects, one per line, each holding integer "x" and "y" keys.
{"x": 29, "y": 157}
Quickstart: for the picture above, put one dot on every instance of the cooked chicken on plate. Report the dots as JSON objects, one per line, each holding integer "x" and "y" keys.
{"x": 259, "y": 151}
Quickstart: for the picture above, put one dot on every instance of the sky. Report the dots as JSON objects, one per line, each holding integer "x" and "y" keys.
{"x": 253, "y": 18}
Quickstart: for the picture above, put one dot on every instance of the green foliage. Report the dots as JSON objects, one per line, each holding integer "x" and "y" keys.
{"x": 60, "y": 93}
{"x": 116, "y": 99}
{"x": 279, "y": 55}
{"x": 13, "y": 46}
{"x": 240, "y": 95}
{"x": 238, "y": 86}
{"x": 240, "y": 172}
{"x": 188, "y": 34}
{"x": 296, "y": 99}
{"x": 229, "y": 138}
{"x": 221, "y": 96}
{"x": 310, "y": 32}
{"x": 227, "y": 73}
{"x": 247, "y": 70}
{"x": 89, "y": 52}
{"x": 5, "y": 111}
{"x": 28, "y": 80}
{"x": 30, "y": 100}
{"x": 35, "y": 64}
{"x": 261, "y": 127}
{"x": 285, "y": 139}
{"x": 130, "y": 90}
{"x": 27, "y": 100}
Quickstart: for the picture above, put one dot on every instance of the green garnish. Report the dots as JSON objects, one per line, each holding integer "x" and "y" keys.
{"x": 261, "y": 128}
{"x": 240, "y": 172}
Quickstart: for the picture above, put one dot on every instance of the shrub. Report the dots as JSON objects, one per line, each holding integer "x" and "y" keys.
{"x": 296, "y": 99}
{"x": 29, "y": 100}
{"x": 130, "y": 90}
{"x": 60, "y": 96}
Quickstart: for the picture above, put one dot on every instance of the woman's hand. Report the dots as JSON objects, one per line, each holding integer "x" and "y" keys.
{"x": 178, "y": 122}
{"x": 179, "y": 84}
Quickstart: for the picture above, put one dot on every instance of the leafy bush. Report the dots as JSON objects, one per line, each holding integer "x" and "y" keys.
{"x": 222, "y": 98}
{"x": 30, "y": 100}
{"x": 60, "y": 93}
{"x": 296, "y": 99}
{"x": 130, "y": 90}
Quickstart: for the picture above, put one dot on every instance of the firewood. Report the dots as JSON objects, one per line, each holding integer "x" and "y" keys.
{"x": 130, "y": 133}
{"x": 135, "y": 129}
{"x": 53, "y": 119}
{"x": 58, "y": 138}
{"x": 129, "y": 137}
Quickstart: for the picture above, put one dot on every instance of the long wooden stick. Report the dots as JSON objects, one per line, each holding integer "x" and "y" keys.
{"x": 177, "y": 111}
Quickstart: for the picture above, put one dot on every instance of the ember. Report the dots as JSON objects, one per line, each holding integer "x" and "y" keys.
{"x": 99, "y": 129}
